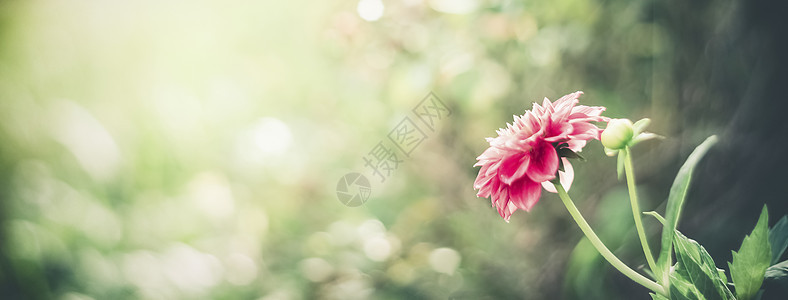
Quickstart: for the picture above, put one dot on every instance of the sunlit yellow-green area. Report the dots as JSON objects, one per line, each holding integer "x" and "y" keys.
{"x": 191, "y": 149}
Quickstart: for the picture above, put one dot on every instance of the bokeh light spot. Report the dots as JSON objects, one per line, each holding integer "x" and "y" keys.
{"x": 444, "y": 260}
{"x": 241, "y": 270}
{"x": 272, "y": 136}
{"x": 316, "y": 269}
{"x": 377, "y": 249}
{"x": 458, "y": 7}
{"x": 370, "y": 10}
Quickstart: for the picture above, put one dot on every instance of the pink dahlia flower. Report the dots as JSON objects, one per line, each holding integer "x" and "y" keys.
{"x": 523, "y": 158}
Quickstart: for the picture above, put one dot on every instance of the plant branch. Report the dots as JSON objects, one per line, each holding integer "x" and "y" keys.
{"x": 633, "y": 199}
{"x": 594, "y": 239}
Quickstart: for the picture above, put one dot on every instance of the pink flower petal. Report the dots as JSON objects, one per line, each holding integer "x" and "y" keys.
{"x": 566, "y": 177}
{"x": 522, "y": 156}
{"x": 589, "y": 111}
{"x": 513, "y": 167}
{"x": 559, "y": 132}
{"x": 576, "y": 145}
{"x": 584, "y": 131}
{"x": 569, "y": 98}
{"x": 507, "y": 212}
{"x": 525, "y": 193}
{"x": 482, "y": 179}
{"x": 485, "y": 190}
{"x": 501, "y": 202}
{"x": 544, "y": 163}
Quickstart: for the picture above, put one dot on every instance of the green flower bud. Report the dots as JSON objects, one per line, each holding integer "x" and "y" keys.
{"x": 618, "y": 134}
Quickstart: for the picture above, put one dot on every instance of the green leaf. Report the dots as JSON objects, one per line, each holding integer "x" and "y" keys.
{"x": 681, "y": 289}
{"x": 725, "y": 284}
{"x": 640, "y": 125}
{"x": 639, "y": 134}
{"x": 656, "y": 216}
{"x": 645, "y": 136}
{"x": 775, "y": 281}
{"x": 568, "y": 153}
{"x": 695, "y": 265}
{"x": 675, "y": 203}
{"x": 750, "y": 263}
{"x": 722, "y": 275}
{"x": 777, "y": 275}
{"x": 777, "y": 272}
{"x": 778, "y": 238}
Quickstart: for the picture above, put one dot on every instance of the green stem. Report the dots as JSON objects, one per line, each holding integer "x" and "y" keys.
{"x": 633, "y": 199}
{"x": 594, "y": 239}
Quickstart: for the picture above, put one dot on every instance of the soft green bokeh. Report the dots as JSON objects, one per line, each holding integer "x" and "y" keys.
{"x": 191, "y": 149}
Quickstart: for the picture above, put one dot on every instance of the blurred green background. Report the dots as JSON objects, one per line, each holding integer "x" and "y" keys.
{"x": 191, "y": 149}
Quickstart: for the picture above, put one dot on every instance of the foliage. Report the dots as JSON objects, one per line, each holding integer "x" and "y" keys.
{"x": 695, "y": 276}
{"x": 678, "y": 193}
{"x": 750, "y": 263}
{"x": 160, "y": 149}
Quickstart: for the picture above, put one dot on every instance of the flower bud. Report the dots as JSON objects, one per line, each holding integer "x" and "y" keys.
{"x": 617, "y": 134}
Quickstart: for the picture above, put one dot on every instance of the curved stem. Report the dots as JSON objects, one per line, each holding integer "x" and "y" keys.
{"x": 594, "y": 239}
{"x": 633, "y": 199}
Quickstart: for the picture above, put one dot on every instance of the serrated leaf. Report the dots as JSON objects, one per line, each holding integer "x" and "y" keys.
{"x": 695, "y": 265}
{"x": 778, "y": 238}
{"x": 681, "y": 289}
{"x": 723, "y": 285}
{"x": 678, "y": 192}
{"x": 750, "y": 263}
